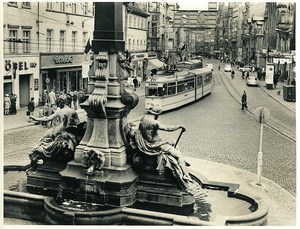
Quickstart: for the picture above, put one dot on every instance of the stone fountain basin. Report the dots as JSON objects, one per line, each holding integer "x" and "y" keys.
{"x": 45, "y": 209}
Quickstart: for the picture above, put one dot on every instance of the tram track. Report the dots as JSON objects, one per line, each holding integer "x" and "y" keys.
{"x": 272, "y": 123}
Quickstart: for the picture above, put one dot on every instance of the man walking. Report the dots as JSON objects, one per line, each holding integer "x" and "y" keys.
{"x": 244, "y": 101}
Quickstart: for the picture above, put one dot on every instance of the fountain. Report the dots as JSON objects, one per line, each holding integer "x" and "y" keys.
{"x": 107, "y": 181}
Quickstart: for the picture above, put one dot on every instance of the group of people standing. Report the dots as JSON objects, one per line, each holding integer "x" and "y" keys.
{"x": 10, "y": 104}
{"x": 49, "y": 103}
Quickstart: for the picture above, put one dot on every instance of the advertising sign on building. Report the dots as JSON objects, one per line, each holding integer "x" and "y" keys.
{"x": 269, "y": 75}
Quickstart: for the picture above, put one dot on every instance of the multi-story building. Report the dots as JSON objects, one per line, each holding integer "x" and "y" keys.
{"x": 43, "y": 47}
{"x": 269, "y": 36}
{"x": 196, "y": 29}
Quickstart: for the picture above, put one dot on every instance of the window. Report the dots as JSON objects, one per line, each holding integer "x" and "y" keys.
{"x": 12, "y": 3}
{"x": 62, "y": 6}
{"x": 49, "y": 39}
{"x": 74, "y": 40}
{"x": 134, "y": 22}
{"x": 207, "y": 78}
{"x": 129, "y": 21}
{"x": 84, "y": 39}
{"x": 12, "y": 41}
{"x": 171, "y": 88}
{"x": 199, "y": 81}
{"x": 85, "y": 8}
{"x": 49, "y": 5}
{"x": 62, "y": 39}
{"x": 129, "y": 44}
{"x": 74, "y": 8}
{"x": 26, "y": 5}
{"x": 26, "y": 41}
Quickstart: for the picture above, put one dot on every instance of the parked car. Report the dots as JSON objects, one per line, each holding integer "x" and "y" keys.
{"x": 252, "y": 81}
{"x": 245, "y": 69}
{"x": 210, "y": 66}
{"x": 227, "y": 68}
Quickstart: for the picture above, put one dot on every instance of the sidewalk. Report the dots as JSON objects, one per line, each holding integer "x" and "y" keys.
{"x": 277, "y": 94}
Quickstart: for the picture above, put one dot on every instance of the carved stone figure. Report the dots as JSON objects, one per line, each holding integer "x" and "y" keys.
{"x": 93, "y": 159}
{"x": 147, "y": 140}
{"x": 61, "y": 140}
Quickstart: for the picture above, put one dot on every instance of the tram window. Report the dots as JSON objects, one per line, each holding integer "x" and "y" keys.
{"x": 199, "y": 81}
{"x": 180, "y": 87}
{"x": 171, "y": 90}
{"x": 207, "y": 78}
{"x": 152, "y": 91}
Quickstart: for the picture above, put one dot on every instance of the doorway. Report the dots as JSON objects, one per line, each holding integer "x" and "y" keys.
{"x": 24, "y": 90}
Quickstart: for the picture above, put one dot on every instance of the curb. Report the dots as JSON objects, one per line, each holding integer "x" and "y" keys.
{"x": 264, "y": 88}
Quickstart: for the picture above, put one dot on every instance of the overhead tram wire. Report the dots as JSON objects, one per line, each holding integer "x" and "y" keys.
{"x": 41, "y": 16}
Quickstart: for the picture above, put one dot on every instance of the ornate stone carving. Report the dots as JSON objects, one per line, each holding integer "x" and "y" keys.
{"x": 93, "y": 159}
{"x": 98, "y": 98}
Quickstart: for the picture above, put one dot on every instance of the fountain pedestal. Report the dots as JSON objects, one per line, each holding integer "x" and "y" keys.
{"x": 100, "y": 172}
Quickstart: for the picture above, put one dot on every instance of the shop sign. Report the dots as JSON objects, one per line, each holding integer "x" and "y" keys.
{"x": 139, "y": 56}
{"x": 20, "y": 65}
{"x": 63, "y": 59}
{"x": 282, "y": 60}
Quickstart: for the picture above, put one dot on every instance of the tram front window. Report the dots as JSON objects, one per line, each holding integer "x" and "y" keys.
{"x": 160, "y": 91}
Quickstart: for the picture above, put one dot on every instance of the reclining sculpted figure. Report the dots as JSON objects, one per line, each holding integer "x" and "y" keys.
{"x": 61, "y": 140}
{"x": 147, "y": 140}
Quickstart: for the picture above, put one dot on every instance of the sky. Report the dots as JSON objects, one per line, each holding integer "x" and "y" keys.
{"x": 192, "y": 5}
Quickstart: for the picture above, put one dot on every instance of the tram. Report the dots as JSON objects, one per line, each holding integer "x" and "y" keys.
{"x": 170, "y": 91}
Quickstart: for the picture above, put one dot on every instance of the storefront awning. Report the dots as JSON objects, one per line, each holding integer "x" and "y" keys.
{"x": 155, "y": 64}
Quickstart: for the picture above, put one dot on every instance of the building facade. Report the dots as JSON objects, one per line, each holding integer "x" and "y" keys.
{"x": 44, "y": 48}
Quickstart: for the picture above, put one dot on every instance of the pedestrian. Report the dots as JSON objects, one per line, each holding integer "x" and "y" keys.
{"x": 7, "y": 104}
{"x": 44, "y": 98}
{"x": 31, "y": 107}
{"x": 243, "y": 74}
{"x": 52, "y": 98}
{"x": 74, "y": 100}
{"x": 244, "y": 101}
{"x": 276, "y": 77}
{"x": 219, "y": 67}
{"x": 232, "y": 74}
{"x": 13, "y": 100}
{"x": 135, "y": 83}
{"x": 139, "y": 79}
